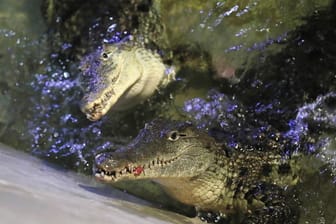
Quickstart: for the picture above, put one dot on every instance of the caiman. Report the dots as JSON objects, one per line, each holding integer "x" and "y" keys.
{"x": 121, "y": 48}
{"x": 126, "y": 72}
{"x": 194, "y": 168}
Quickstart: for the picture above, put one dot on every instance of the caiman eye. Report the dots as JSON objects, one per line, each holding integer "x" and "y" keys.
{"x": 173, "y": 136}
{"x": 105, "y": 56}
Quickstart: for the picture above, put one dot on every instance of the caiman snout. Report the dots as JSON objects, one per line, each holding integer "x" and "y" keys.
{"x": 110, "y": 167}
{"x": 92, "y": 111}
{"x": 102, "y": 170}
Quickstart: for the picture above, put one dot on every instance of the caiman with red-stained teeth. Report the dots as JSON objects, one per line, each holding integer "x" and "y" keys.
{"x": 196, "y": 170}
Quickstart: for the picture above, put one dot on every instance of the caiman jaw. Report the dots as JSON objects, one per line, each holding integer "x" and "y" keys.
{"x": 91, "y": 110}
{"x": 113, "y": 175}
{"x": 106, "y": 173}
{"x": 95, "y": 109}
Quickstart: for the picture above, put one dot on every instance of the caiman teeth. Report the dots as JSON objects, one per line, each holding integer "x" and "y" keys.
{"x": 123, "y": 171}
{"x": 113, "y": 175}
{"x": 160, "y": 162}
{"x": 131, "y": 169}
{"x": 105, "y": 175}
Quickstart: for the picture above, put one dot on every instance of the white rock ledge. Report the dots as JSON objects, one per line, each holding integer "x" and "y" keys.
{"x": 33, "y": 192}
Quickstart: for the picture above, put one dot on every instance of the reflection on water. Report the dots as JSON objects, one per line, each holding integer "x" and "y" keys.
{"x": 288, "y": 87}
{"x": 236, "y": 33}
{"x": 21, "y": 54}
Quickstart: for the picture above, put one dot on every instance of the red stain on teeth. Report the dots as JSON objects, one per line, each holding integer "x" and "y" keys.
{"x": 138, "y": 170}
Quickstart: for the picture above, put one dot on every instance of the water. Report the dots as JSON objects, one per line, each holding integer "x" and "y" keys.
{"x": 22, "y": 53}
{"x": 286, "y": 66}
{"x": 237, "y": 34}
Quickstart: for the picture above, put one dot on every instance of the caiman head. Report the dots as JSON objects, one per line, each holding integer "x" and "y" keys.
{"x": 195, "y": 169}
{"x": 174, "y": 155}
{"x": 117, "y": 77}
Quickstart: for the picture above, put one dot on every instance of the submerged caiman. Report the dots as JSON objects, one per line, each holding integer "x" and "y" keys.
{"x": 247, "y": 184}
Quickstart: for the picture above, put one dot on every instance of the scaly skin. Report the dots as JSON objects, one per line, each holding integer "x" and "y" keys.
{"x": 196, "y": 170}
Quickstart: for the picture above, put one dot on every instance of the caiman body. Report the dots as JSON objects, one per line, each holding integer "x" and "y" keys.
{"x": 196, "y": 170}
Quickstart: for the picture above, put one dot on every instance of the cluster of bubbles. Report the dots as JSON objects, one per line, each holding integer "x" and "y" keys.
{"x": 59, "y": 131}
{"x": 58, "y": 128}
{"x": 311, "y": 131}
{"x": 218, "y": 108}
{"x": 235, "y": 123}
